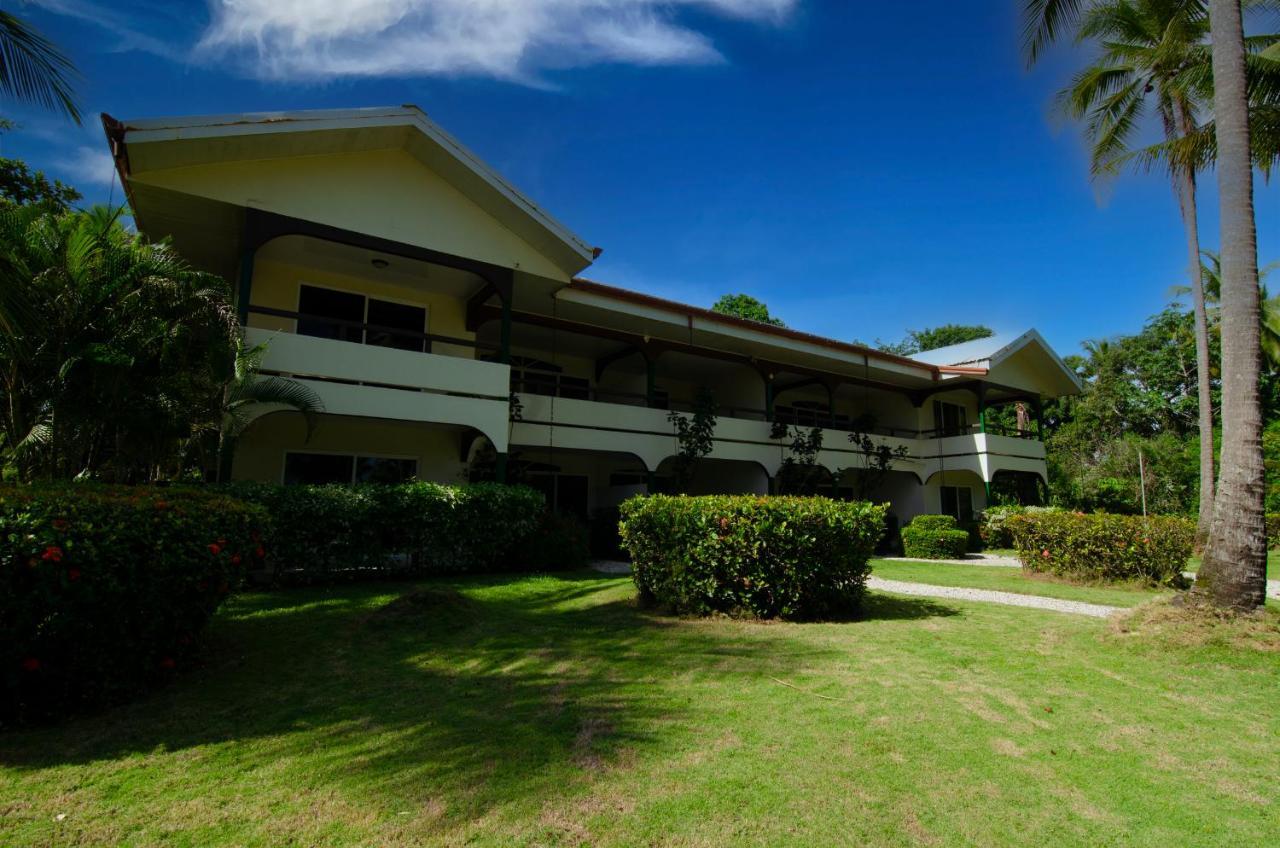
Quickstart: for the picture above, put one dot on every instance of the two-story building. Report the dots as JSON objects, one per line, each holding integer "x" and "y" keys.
{"x": 441, "y": 316}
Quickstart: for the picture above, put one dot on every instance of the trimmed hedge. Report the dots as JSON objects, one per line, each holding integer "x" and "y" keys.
{"x": 1103, "y": 547}
{"x": 105, "y": 590}
{"x": 326, "y": 532}
{"x": 994, "y": 527}
{"x": 770, "y": 557}
{"x": 934, "y": 537}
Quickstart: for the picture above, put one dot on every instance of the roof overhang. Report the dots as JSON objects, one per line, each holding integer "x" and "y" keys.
{"x": 1026, "y": 361}
{"x": 153, "y": 144}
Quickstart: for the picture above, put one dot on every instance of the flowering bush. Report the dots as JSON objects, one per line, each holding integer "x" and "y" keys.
{"x": 1104, "y": 547}
{"x": 324, "y": 532}
{"x": 934, "y": 537}
{"x": 785, "y": 557}
{"x": 994, "y": 526}
{"x": 104, "y": 590}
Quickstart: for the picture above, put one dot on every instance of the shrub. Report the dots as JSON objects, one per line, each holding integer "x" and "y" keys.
{"x": 323, "y": 532}
{"x": 1273, "y": 530}
{"x": 994, "y": 524}
{"x": 104, "y": 590}
{"x": 934, "y": 537}
{"x": 1102, "y": 547}
{"x": 787, "y": 557}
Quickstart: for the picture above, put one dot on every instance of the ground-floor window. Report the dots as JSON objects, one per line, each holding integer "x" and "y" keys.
{"x": 320, "y": 468}
{"x": 565, "y": 493}
{"x": 958, "y": 501}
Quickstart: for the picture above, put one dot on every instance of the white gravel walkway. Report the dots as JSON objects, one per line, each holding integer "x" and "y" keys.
{"x": 971, "y": 559}
{"x": 1012, "y": 599}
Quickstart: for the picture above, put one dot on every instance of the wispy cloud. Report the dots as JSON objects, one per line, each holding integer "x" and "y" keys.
{"x": 86, "y": 165}
{"x": 505, "y": 39}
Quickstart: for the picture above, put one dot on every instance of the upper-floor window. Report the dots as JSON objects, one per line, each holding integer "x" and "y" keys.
{"x": 949, "y": 419}
{"x": 354, "y": 317}
{"x": 538, "y": 377}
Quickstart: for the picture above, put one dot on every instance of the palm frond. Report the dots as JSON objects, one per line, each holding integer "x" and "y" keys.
{"x": 33, "y": 70}
{"x": 1044, "y": 22}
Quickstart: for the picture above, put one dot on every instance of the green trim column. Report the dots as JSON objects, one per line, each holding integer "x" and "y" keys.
{"x": 245, "y": 289}
{"x": 650, "y": 381}
{"x": 500, "y": 468}
{"x": 504, "y": 338}
{"x": 981, "y": 391}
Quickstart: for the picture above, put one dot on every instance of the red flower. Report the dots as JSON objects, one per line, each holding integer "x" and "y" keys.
{"x": 1045, "y": 552}
{"x": 73, "y": 574}
{"x": 53, "y": 553}
{"x": 162, "y": 505}
{"x": 215, "y": 548}
{"x": 235, "y": 559}
{"x": 167, "y": 663}
{"x": 60, "y": 524}
{"x": 261, "y": 552}
{"x": 31, "y": 664}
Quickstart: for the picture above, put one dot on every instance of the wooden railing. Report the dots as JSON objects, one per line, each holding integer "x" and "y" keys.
{"x": 428, "y": 340}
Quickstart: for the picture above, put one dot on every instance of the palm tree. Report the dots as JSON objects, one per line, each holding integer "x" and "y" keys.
{"x": 1234, "y": 570}
{"x": 248, "y": 395}
{"x": 1269, "y": 329}
{"x": 34, "y": 70}
{"x": 1147, "y": 47}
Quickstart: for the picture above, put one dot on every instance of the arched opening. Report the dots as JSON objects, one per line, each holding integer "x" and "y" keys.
{"x": 1023, "y": 488}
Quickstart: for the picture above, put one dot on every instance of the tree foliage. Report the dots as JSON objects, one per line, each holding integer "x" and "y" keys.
{"x": 932, "y": 338}
{"x": 746, "y": 306}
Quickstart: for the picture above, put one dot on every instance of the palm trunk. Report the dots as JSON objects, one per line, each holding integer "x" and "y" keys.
{"x": 1185, "y": 183}
{"x": 1235, "y": 560}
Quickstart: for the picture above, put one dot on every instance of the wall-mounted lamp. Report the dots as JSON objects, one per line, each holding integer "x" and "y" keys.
{"x": 380, "y": 263}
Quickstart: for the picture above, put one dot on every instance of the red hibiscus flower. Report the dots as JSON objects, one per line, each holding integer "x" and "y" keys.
{"x": 1045, "y": 552}
{"x": 73, "y": 574}
{"x": 235, "y": 559}
{"x": 31, "y": 664}
{"x": 167, "y": 663}
{"x": 261, "y": 552}
{"x": 53, "y": 553}
{"x": 60, "y": 524}
{"x": 215, "y": 548}
{"x": 162, "y": 505}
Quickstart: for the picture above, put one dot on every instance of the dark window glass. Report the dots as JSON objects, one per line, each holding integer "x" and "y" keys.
{"x": 320, "y": 304}
{"x": 376, "y": 469}
{"x": 957, "y": 501}
{"x": 571, "y": 496}
{"x": 949, "y": 419}
{"x": 396, "y": 316}
{"x": 317, "y": 468}
{"x": 575, "y": 387}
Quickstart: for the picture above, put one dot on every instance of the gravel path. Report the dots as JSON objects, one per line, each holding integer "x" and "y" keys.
{"x": 610, "y": 566}
{"x": 971, "y": 559}
{"x": 1008, "y": 598}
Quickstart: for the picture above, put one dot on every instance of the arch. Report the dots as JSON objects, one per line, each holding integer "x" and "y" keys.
{"x": 947, "y": 471}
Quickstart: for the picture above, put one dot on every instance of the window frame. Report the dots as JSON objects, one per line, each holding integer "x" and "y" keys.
{"x": 355, "y": 456}
{"x": 364, "y": 314}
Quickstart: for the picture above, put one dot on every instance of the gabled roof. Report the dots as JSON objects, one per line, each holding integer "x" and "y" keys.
{"x": 990, "y": 353}
{"x": 342, "y": 130}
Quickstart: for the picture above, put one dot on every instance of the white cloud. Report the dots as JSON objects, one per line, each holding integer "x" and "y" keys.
{"x": 505, "y": 39}
{"x": 86, "y": 165}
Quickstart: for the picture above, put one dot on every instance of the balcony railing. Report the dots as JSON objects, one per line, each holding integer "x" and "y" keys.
{"x": 375, "y": 335}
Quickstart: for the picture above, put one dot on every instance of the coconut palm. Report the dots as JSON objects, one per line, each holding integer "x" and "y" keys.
{"x": 1269, "y": 329}
{"x": 34, "y": 70}
{"x": 1147, "y": 47}
{"x": 1234, "y": 571}
{"x": 248, "y": 395}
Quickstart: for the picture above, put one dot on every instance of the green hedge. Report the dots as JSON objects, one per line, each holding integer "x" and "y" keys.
{"x": 326, "y": 532}
{"x": 104, "y": 590}
{"x": 1273, "y": 530}
{"x": 771, "y": 557}
{"x": 994, "y": 524}
{"x": 1103, "y": 547}
{"x": 934, "y": 537}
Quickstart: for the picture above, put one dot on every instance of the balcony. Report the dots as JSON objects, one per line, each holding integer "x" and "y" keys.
{"x": 375, "y": 381}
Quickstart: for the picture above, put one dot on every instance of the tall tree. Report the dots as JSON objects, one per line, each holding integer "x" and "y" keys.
{"x": 34, "y": 70}
{"x": 1234, "y": 571}
{"x": 1147, "y": 47}
{"x": 746, "y": 306}
{"x": 932, "y": 338}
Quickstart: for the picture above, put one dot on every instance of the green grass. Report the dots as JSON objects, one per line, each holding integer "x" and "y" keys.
{"x": 1010, "y": 580}
{"x": 552, "y": 711}
{"x": 1273, "y": 565}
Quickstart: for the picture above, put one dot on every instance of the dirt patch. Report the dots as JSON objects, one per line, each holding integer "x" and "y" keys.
{"x": 1168, "y": 625}
{"x": 584, "y": 744}
{"x": 418, "y": 604}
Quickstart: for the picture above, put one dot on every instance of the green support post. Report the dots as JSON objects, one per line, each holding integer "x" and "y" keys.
{"x": 768, "y": 399}
{"x": 504, "y": 338}
{"x": 982, "y": 410}
{"x": 245, "y": 289}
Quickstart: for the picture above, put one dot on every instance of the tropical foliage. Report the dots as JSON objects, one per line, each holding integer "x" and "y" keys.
{"x": 746, "y": 306}
{"x": 932, "y": 338}
{"x": 1100, "y": 547}
{"x": 34, "y": 70}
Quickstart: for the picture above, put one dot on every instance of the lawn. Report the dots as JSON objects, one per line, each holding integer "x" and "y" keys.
{"x": 1010, "y": 580}
{"x": 553, "y": 711}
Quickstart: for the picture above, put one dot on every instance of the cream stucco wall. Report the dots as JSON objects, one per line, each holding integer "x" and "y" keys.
{"x": 261, "y": 450}
{"x": 383, "y": 193}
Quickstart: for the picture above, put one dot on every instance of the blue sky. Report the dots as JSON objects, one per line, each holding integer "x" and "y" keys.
{"x": 861, "y": 167}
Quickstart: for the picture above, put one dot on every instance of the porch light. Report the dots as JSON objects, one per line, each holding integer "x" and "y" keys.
{"x": 380, "y": 263}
